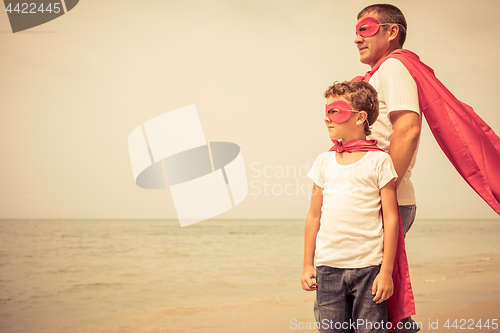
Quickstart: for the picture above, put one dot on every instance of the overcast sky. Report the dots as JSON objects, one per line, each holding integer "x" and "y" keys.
{"x": 74, "y": 88}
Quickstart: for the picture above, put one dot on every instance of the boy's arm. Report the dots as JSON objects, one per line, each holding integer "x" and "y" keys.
{"x": 312, "y": 228}
{"x": 383, "y": 286}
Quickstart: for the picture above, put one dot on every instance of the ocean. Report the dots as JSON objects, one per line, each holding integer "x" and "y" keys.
{"x": 76, "y": 276}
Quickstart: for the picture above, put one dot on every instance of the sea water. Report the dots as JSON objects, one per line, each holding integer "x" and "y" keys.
{"x": 75, "y": 275}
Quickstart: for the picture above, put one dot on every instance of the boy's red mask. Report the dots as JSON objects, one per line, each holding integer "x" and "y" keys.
{"x": 342, "y": 111}
{"x": 368, "y": 27}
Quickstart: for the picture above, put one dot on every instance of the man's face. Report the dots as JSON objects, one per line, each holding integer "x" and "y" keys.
{"x": 372, "y": 49}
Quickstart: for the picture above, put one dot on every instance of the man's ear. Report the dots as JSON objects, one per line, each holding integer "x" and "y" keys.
{"x": 393, "y": 32}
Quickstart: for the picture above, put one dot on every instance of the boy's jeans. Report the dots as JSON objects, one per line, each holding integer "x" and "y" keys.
{"x": 407, "y": 218}
{"x": 345, "y": 300}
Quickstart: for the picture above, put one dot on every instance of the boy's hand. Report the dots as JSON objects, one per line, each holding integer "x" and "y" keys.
{"x": 307, "y": 275}
{"x": 383, "y": 287}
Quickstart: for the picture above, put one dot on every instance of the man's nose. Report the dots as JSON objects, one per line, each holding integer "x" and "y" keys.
{"x": 358, "y": 39}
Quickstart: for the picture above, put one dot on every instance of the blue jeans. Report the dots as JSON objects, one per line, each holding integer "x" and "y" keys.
{"x": 408, "y": 213}
{"x": 345, "y": 300}
{"x": 407, "y": 216}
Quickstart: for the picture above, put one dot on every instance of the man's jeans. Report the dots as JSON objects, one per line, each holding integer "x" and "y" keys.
{"x": 407, "y": 216}
{"x": 408, "y": 213}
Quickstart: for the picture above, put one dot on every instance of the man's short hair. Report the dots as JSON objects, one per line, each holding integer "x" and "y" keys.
{"x": 360, "y": 95}
{"x": 388, "y": 14}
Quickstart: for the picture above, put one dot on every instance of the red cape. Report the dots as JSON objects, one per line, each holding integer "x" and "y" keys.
{"x": 468, "y": 142}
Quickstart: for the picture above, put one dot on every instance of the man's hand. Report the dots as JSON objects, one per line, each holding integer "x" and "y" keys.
{"x": 383, "y": 287}
{"x": 307, "y": 276}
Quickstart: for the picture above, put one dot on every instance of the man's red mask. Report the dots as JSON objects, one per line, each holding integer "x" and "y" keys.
{"x": 368, "y": 27}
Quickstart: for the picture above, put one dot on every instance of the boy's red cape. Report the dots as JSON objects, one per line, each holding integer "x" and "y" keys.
{"x": 401, "y": 304}
{"x": 468, "y": 142}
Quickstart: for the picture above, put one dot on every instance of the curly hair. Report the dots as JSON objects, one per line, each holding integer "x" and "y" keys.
{"x": 360, "y": 95}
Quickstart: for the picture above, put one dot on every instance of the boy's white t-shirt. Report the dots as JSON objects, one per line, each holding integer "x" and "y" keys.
{"x": 351, "y": 233}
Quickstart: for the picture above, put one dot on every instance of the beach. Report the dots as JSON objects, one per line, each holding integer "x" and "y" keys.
{"x": 464, "y": 293}
{"x": 151, "y": 276}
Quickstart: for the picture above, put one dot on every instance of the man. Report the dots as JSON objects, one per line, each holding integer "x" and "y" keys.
{"x": 405, "y": 87}
{"x": 398, "y": 126}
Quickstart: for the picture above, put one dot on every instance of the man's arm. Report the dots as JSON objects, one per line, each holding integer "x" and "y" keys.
{"x": 312, "y": 227}
{"x": 404, "y": 141}
{"x": 383, "y": 286}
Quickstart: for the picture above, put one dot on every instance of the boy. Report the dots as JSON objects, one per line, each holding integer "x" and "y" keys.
{"x": 354, "y": 191}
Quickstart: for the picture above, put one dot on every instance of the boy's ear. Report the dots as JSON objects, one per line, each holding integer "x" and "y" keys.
{"x": 362, "y": 116}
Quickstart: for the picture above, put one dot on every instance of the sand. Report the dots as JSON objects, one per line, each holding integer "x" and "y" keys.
{"x": 465, "y": 290}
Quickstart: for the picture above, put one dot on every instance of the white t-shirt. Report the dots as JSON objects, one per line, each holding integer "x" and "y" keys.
{"x": 397, "y": 91}
{"x": 351, "y": 233}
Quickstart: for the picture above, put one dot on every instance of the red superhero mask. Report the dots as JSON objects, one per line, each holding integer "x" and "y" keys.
{"x": 369, "y": 26}
{"x": 339, "y": 111}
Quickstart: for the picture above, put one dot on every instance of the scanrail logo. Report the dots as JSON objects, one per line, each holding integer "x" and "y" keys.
{"x": 25, "y": 15}
{"x": 205, "y": 180}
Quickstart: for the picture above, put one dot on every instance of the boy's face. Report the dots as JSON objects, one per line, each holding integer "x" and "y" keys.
{"x": 339, "y": 130}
